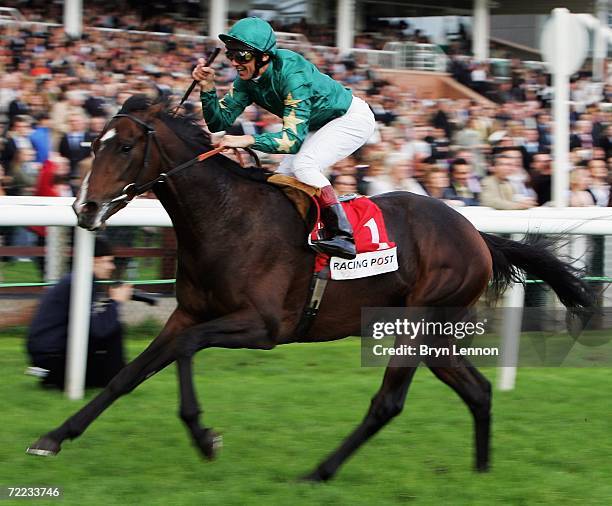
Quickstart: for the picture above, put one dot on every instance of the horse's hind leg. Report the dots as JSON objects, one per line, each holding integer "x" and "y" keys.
{"x": 387, "y": 403}
{"x": 155, "y": 357}
{"x": 475, "y": 390}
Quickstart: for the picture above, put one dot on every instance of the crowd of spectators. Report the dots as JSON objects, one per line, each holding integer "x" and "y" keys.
{"x": 56, "y": 94}
{"x": 186, "y": 17}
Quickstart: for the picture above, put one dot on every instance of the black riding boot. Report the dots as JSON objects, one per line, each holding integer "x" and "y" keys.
{"x": 339, "y": 241}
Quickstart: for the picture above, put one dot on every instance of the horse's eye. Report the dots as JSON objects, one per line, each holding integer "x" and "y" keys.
{"x": 126, "y": 148}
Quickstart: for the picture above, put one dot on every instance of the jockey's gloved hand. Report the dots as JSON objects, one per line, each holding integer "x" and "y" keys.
{"x": 204, "y": 75}
{"x": 236, "y": 141}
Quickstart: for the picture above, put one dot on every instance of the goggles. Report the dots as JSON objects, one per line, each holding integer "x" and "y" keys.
{"x": 239, "y": 56}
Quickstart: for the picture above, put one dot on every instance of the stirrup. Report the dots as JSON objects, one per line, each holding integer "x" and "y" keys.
{"x": 335, "y": 247}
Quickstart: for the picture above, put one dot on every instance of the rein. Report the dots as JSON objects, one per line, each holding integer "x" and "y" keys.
{"x": 132, "y": 190}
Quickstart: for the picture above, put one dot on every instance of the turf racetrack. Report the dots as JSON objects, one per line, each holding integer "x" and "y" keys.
{"x": 281, "y": 411}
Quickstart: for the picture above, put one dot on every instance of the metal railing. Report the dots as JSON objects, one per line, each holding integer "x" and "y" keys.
{"x": 416, "y": 56}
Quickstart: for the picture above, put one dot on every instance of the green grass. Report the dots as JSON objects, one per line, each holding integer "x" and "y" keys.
{"x": 281, "y": 411}
{"x": 27, "y": 272}
{"x": 19, "y": 272}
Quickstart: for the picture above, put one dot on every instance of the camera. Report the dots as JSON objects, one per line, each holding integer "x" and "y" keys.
{"x": 141, "y": 296}
{"x": 149, "y": 298}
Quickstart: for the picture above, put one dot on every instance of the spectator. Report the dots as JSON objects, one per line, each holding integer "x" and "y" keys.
{"x": 41, "y": 137}
{"x": 53, "y": 178}
{"x": 471, "y": 138}
{"x": 377, "y": 179}
{"x": 498, "y": 192}
{"x": 541, "y": 171}
{"x": 583, "y": 136}
{"x": 18, "y": 137}
{"x": 17, "y": 107}
{"x": 600, "y": 185}
{"x": 580, "y": 196}
{"x": 345, "y": 184}
{"x": 48, "y": 333}
{"x": 24, "y": 170}
{"x": 519, "y": 176}
{"x": 605, "y": 142}
{"x": 68, "y": 106}
{"x": 436, "y": 181}
{"x": 75, "y": 145}
{"x": 531, "y": 144}
{"x": 479, "y": 79}
{"x": 52, "y": 182}
{"x": 95, "y": 105}
{"x": 459, "y": 188}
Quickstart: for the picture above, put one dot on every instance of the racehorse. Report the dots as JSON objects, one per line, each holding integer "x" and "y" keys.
{"x": 244, "y": 271}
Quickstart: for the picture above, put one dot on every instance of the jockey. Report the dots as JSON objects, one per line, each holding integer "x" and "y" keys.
{"x": 289, "y": 86}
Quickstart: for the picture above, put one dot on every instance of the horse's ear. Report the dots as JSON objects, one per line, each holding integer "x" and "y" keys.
{"x": 157, "y": 108}
{"x": 161, "y": 100}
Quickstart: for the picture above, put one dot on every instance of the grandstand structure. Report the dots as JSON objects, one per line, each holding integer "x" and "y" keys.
{"x": 351, "y": 15}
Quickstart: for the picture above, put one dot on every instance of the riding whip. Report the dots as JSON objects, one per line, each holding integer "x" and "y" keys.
{"x": 208, "y": 63}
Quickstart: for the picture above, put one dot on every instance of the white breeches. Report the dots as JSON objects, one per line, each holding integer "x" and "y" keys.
{"x": 331, "y": 143}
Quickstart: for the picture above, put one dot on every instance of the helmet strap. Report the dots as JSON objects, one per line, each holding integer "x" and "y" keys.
{"x": 259, "y": 64}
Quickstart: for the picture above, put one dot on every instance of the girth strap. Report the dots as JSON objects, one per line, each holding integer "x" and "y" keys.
{"x": 316, "y": 291}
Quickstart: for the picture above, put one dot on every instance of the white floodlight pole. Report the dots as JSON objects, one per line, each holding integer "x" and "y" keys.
{"x": 480, "y": 29}
{"x": 345, "y": 31}
{"x": 73, "y": 17}
{"x": 561, "y": 111}
{"x": 217, "y": 19}
{"x": 600, "y": 48}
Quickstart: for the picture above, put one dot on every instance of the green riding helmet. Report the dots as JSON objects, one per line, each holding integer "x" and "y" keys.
{"x": 252, "y": 32}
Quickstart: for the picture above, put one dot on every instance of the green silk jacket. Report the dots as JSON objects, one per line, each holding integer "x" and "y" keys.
{"x": 291, "y": 88}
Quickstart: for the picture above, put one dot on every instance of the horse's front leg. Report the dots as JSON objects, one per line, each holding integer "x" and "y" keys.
{"x": 160, "y": 353}
{"x": 233, "y": 331}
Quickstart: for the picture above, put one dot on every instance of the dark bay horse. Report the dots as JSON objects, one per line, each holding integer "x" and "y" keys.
{"x": 244, "y": 269}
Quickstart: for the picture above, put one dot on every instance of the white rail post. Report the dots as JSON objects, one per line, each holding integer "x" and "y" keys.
{"x": 53, "y": 254}
{"x": 80, "y": 309}
{"x": 514, "y": 300}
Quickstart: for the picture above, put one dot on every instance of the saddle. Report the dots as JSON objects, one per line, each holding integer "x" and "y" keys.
{"x": 300, "y": 194}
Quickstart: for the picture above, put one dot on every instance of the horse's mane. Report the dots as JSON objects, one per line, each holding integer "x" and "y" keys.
{"x": 185, "y": 127}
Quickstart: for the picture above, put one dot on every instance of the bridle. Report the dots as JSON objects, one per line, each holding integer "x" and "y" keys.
{"x": 132, "y": 190}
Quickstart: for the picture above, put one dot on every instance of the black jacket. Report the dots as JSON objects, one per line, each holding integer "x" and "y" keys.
{"x": 76, "y": 153}
{"x": 48, "y": 332}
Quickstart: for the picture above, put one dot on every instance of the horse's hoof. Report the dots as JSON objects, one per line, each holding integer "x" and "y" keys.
{"x": 315, "y": 477}
{"x": 44, "y": 447}
{"x": 210, "y": 443}
{"x": 482, "y": 468}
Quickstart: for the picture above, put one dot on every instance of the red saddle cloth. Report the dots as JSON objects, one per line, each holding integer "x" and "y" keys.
{"x": 370, "y": 235}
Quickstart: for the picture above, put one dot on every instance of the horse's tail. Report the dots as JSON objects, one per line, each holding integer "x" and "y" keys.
{"x": 534, "y": 255}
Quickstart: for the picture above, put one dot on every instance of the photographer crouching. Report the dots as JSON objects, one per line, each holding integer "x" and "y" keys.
{"x": 48, "y": 334}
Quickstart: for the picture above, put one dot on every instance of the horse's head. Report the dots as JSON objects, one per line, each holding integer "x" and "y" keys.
{"x": 127, "y": 155}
